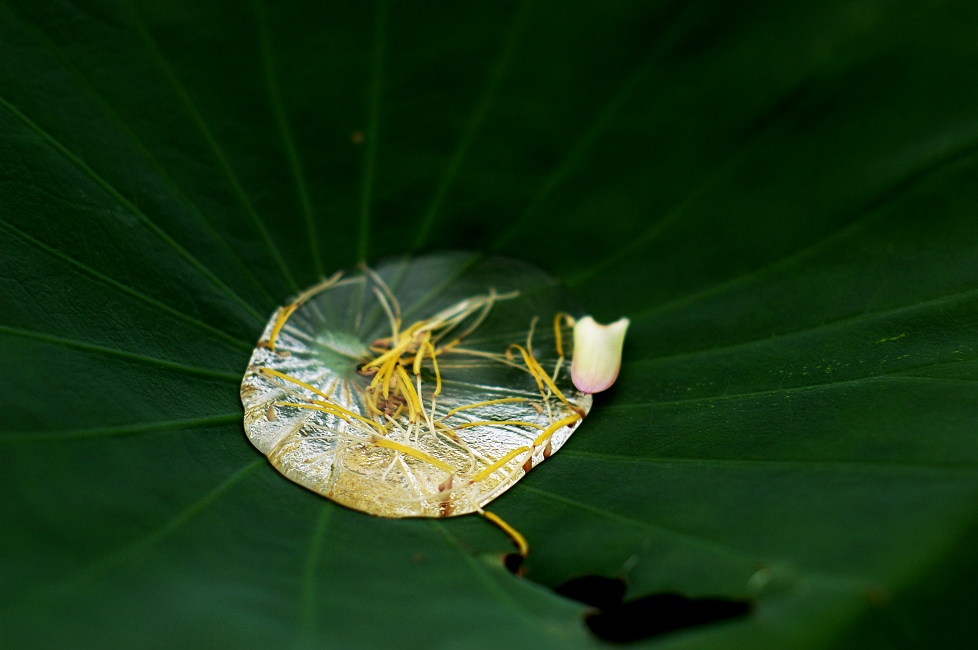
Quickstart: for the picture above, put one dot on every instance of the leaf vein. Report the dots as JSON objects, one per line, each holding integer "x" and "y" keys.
{"x": 137, "y": 143}
{"x": 88, "y": 270}
{"x": 871, "y": 467}
{"x": 129, "y": 356}
{"x": 278, "y": 108}
{"x": 212, "y": 144}
{"x": 130, "y": 207}
{"x": 830, "y": 325}
{"x": 105, "y": 562}
{"x": 309, "y": 617}
{"x": 373, "y": 124}
{"x": 119, "y": 430}
{"x": 496, "y": 75}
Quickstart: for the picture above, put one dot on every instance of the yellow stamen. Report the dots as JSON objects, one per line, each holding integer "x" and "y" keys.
{"x": 514, "y": 534}
{"x": 434, "y": 362}
{"x": 379, "y": 281}
{"x": 370, "y": 398}
{"x": 528, "y": 360}
{"x": 395, "y": 322}
{"x": 411, "y": 451}
{"x": 424, "y": 414}
{"x": 295, "y": 304}
{"x": 484, "y": 474}
{"x": 557, "y": 334}
{"x": 557, "y": 366}
{"x": 394, "y": 353}
{"x": 550, "y": 382}
{"x": 378, "y": 377}
{"x": 283, "y": 316}
{"x": 555, "y": 427}
{"x": 489, "y": 423}
{"x": 540, "y": 374}
{"x": 413, "y": 402}
{"x": 390, "y": 368}
{"x": 505, "y": 400}
{"x": 337, "y": 409}
{"x": 498, "y": 358}
{"x": 290, "y": 378}
{"x": 529, "y": 335}
{"x": 416, "y": 327}
{"x": 332, "y": 409}
{"x": 419, "y": 357}
{"x": 317, "y": 288}
{"x": 490, "y": 300}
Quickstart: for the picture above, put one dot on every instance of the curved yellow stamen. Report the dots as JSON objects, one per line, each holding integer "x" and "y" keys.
{"x": 295, "y": 304}
{"x": 486, "y": 423}
{"x": 555, "y": 427}
{"x": 549, "y": 382}
{"x": 505, "y": 400}
{"x": 434, "y": 362}
{"x": 390, "y": 368}
{"x": 419, "y": 357}
{"x": 529, "y": 335}
{"x": 317, "y": 288}
{"x": 568, "y": 319}
{"x": 413, "y": 401}
{"x": 394, "y": 353}
{"x": 485, "y": 473}
{"x": 540, "y": 374}
{"x": 283, "y": 316}
{"x": 498, "y": 358}
{"x": 291, "y": 379}
{"x": 332, "y": 409}
{"x": 411, "y": 451}
{"x": 527, "y": 359}
{"x": 337, "y": 410}
{"x": 514, "y": 534}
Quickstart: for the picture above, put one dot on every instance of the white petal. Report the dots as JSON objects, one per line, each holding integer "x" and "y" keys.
{"x": 597, "y": 353}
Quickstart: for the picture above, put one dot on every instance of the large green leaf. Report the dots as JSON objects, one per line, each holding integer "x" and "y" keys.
{"x": 781, "y": 196}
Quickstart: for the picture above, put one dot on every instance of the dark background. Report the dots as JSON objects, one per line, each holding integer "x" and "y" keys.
{"x": 781, "y": 196}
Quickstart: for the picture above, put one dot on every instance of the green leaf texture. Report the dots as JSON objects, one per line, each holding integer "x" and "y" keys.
{"x": 781, "y": 196}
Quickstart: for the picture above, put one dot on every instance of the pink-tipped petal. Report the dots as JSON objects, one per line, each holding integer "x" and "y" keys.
{"x": 597, "y": 353}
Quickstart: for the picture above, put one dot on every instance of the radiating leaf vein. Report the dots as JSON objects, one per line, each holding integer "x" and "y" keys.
{"x": 130, "y": 207}
{"x": 138, "y": 145}
{"x": 281, "y": 121}
{"x": 212, "y": 144}
{"x": 120, "y": 430}
{"x": 777, "y": 464}
{"x": 373, "y": 126}
{"x": 860, "y": 318}
{"x": 101, "y": 564}
{"x": 129, "y": 356}
{"x": 496, "y": 75}
{"x": 101, "y": 277}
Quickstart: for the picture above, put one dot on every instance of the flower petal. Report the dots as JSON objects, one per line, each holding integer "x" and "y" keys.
{"x": 597, "y": 353}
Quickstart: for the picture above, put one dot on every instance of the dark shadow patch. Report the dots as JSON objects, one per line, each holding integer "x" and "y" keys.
{"x": 513, "y": 563}
{"x": 646, "y": 617}
{"x": 596, "y": 591}
{"x": 659, "y": 614}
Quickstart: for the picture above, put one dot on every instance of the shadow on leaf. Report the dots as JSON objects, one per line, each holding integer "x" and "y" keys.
{"x": 646, "y": 617}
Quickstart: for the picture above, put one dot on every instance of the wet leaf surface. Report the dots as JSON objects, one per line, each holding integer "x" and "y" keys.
{"x": 780, "y": 196}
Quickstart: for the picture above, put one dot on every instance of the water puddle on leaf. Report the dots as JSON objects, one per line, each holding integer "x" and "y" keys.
{"x": 421, "y": 388}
